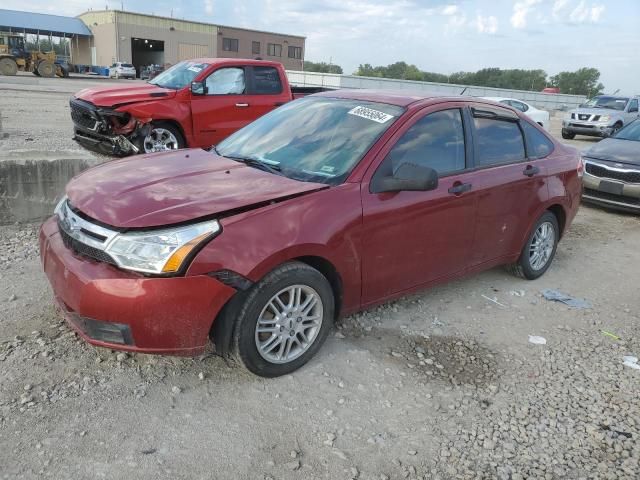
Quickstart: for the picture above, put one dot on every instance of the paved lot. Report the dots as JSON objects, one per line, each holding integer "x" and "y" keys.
{"x": 443, "y": 384}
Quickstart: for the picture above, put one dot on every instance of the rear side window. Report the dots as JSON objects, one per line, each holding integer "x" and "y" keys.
{"x": 435, "y": 141}
{"x": 266, "y": 80}
{"x": 498, "y": 142}
{"x": 538, "y": 145}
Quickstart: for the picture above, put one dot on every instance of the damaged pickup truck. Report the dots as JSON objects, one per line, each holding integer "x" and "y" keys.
{"x": 195, "y": 103}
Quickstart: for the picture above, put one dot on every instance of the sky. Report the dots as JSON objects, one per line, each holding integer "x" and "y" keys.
{"x": 442, "y": 36}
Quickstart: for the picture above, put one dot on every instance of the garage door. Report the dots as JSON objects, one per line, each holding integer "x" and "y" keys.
{"x": 187, "y": 51}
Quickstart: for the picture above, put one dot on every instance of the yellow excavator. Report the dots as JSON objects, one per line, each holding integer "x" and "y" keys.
{"x": 14, "y": 57}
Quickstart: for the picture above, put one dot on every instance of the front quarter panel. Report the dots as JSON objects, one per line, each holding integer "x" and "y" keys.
{"x": 325, "y": 224}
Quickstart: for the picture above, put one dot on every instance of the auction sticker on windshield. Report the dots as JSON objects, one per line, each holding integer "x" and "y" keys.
{"x": 370, "y": 114}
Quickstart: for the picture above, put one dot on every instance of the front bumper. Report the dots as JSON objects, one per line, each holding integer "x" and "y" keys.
{"x": 152, "y": 315}
{"x": 624, "y": 196}
{"x": 591, "y": 129}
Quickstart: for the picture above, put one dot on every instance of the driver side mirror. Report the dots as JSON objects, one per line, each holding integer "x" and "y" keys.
{"x": 198, "y": 88}
{"x": 409, "y": 178}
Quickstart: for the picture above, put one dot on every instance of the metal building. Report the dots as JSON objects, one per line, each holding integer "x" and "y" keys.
{"x": 143, "y": 39}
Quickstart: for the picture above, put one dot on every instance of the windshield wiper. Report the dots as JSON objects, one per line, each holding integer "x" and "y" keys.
{"x": 256, "y": 163}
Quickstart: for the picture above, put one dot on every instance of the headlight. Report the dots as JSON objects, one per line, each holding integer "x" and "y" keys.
{"x": 160, "y": 251}
{"x": 604, "y": 118}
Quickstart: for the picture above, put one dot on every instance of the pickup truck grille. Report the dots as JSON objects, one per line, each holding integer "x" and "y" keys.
{"x": 81, "y": 115}
{"x": 583, "y": 116}
{"x": 603, "y": 172}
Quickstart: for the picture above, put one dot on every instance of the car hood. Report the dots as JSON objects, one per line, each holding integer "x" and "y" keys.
{"x": 176, "y": 187}
{"x": 596, "y": 111}
{"x": 615, "y": 150}
{"x": 122, "y": 94}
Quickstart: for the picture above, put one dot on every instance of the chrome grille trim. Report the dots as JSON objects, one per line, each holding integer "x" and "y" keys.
{"x": 75, "y": 226}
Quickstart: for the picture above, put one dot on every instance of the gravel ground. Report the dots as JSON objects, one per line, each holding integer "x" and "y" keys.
{"x": 439, "y": 385}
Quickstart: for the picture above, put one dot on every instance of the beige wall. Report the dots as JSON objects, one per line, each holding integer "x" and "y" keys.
{"x": 104, "y": 39}
{"x": 81, "y": 50}
{"x": 246, "y": 37}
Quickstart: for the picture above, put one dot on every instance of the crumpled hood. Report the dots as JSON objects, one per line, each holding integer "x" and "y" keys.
{"x": 175, "y": 187}
{"x": 612, "y": 149}
{"x": 120, "y": 94}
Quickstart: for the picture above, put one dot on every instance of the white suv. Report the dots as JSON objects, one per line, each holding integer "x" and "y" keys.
{"x": 122, "y": 70}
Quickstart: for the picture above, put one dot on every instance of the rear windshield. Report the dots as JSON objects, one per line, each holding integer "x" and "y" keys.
{"x": 315, "y": 139}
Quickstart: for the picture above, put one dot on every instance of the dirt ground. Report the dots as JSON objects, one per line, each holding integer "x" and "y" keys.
{"x": 440, "y": 385}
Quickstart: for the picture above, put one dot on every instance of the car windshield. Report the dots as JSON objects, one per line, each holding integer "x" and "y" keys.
{"x": 179, "y": 76}
{"x": 630, "y": 132}
{"x": 614, "y": 103}
{"x": 317, "y": 139}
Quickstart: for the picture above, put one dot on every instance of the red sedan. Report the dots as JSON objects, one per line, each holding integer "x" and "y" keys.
{"x": 327, "y": 205}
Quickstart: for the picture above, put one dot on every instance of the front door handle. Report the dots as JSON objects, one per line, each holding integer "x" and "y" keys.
{"x": 530, "y": 171}
{"x": 242, "y": 105}
{"x": 459, "y": 188}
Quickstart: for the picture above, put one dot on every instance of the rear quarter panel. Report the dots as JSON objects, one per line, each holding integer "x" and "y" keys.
{"x": 325, "y": 224}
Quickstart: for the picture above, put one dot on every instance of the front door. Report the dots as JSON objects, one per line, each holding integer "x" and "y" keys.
{"x": 223, "y": 109}
{"x": 414, "y": 238}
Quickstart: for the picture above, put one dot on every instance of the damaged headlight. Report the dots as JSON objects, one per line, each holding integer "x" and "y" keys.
{"x": 160, "y": 251}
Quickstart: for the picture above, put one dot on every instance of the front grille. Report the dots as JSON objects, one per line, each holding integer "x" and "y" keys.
{"x": 583, "y": 116}
{"x": 83, "y": 249}
{"x": 573, "y": 116}
{"x": 81, "y": 115}
{"x": 603, "y": 172}
{"x": 612, "y": 197}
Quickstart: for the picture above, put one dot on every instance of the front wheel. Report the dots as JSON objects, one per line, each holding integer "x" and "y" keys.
{"x": 567, "y": 135}
{"x": 539, "y": 249}
{"x": 284, "y": 321}
{"x": 161, "y": 138}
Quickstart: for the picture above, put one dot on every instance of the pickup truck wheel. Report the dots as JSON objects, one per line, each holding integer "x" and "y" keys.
{"x": 568, "y": 136}
{"x": 284, "y": 321}
{"x": 615, "y": 129}
{"x": 539, "y": 249}
{"x": 162, "y": 137}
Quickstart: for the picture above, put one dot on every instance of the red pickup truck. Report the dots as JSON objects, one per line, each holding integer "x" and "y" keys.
{"x": 195, "y": 103}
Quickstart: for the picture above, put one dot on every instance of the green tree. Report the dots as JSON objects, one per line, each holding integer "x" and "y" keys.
{"x": 581, "y": 82}
{"x": 322, "y": 67}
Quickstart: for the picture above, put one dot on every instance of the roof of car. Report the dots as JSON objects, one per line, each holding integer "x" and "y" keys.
{"x": 401, "y": 98}
{"x": 234, "y": 61}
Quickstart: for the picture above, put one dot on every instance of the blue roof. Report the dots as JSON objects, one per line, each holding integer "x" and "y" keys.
{"x": 41, "y": 22}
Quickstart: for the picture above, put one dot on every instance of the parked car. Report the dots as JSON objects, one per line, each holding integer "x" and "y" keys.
{"x": 612, "y": 170}
{"x": 541, "y": 117}
{"x": 327, "y": 205}
{"x": 122, "y": 70}
{"x": 150, "y": 72}
{"x": 601, "y": 116}
{"x": 196, "y": 103}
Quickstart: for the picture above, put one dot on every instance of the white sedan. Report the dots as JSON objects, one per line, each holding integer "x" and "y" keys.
{"x": 541, "y": 117}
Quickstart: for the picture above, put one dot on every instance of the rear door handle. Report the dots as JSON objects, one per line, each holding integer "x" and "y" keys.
{"x": 459, "y": 188}
{"x": 242, "y": 105}
{"x": 530, "y": 171}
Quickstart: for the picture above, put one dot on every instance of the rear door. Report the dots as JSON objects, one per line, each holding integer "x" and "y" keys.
{"x": 223, "y": 109}
{"x": 414, "y": 238}
{"x": 510, "y": 185}
{"x": 266, "y": 90}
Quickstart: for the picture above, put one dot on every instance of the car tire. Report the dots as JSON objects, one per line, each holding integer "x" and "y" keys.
{"x": 567, "y": 135}
{"x": 283, "y": 335}
{"x": 615, "y": 129}
{"x": 159, "y": 129}
{"x": 543, "y": 241}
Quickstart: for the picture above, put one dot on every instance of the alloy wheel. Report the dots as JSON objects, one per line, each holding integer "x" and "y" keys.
{"x": 160, "y": 140}
{"x": 289, "y": 324}
{"x": 542, "y": 245}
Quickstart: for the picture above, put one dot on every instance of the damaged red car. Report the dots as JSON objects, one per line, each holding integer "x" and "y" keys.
{"x": 327, "y": 205}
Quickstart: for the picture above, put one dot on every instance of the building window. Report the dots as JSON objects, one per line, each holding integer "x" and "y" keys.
{"x": 274, "y": 49}
{"x": 295, "y": 52}
{"x": 230, "y": 44}
{"x": 255, "y": 48}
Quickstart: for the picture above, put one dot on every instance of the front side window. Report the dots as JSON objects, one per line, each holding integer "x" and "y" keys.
{"x": 226, "y": 81}
{"x": 255, "y": 48}
{"x": 538, "y": 145}
{"x": 435, "y": 141}
{"x": 633, "y": 106}
{"x": 274, "y": 49}
{"x": 498, "y": 141}
{"x": 266, "y": 80}
{"x": 230, "y": 44}
{"x": 295, "y": 52}
{"x": 316, "y": 139}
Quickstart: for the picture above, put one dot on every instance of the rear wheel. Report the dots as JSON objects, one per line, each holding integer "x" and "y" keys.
{"x": 539, "y": 249}
{"x": 567, "y": 135}
{"x": 46, "y": 68}
{"x": 284, "y": 321}
{"x": 8, "y": 66}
